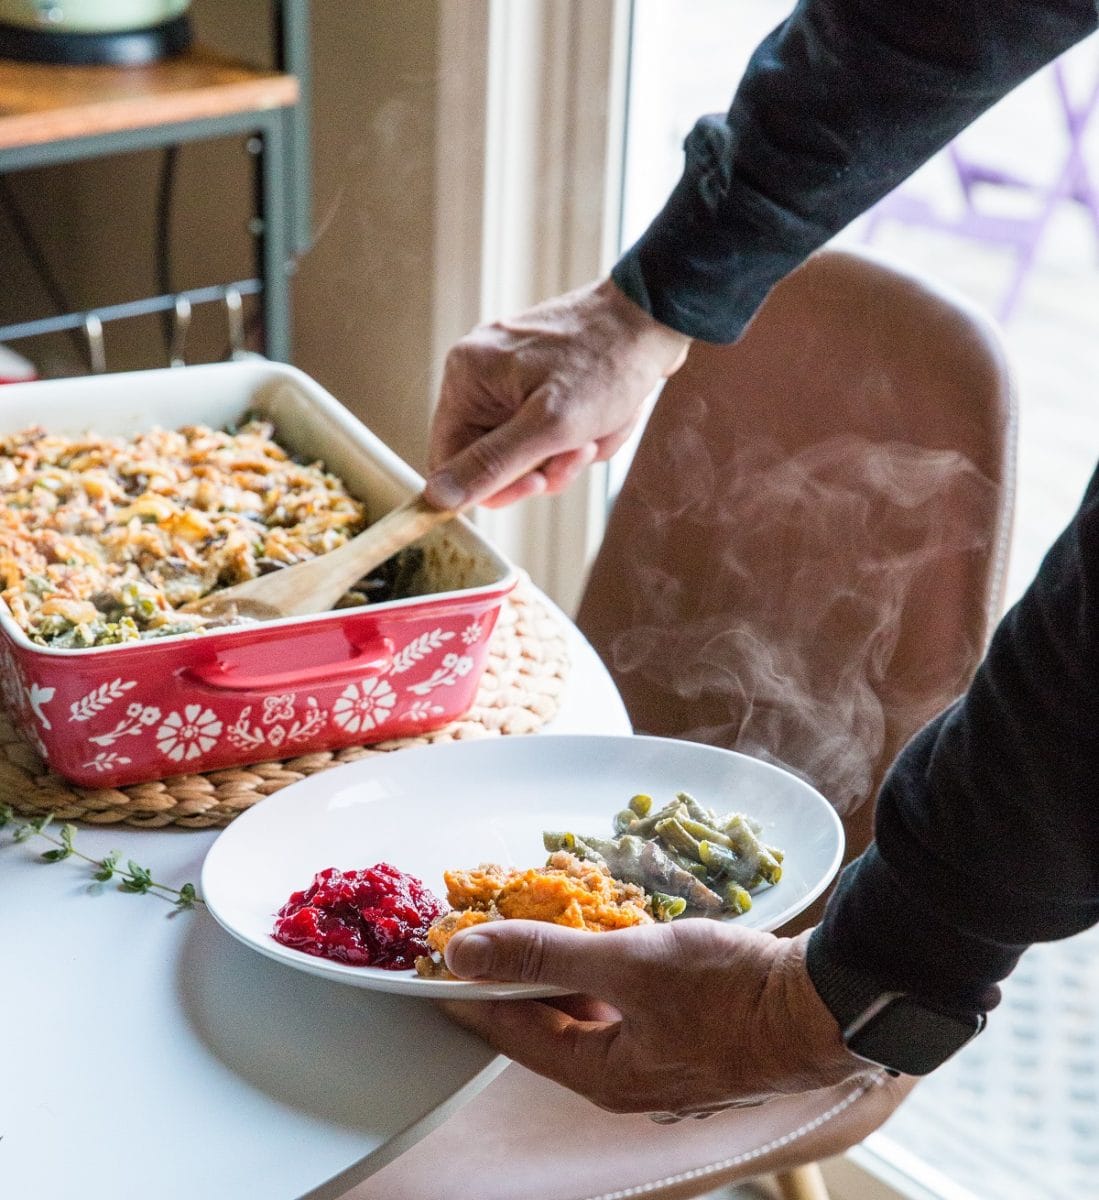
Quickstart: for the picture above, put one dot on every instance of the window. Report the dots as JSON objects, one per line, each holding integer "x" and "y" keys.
{"x": 685, "y": 60}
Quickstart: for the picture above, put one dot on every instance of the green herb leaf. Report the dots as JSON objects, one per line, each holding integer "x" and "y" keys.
{"x": 107, "y": 865}
{"x": 133, "y": 877}
{"x": 138, "y": 878}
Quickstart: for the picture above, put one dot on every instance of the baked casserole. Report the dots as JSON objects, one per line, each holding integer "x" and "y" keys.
{"x": 102, "y": 538}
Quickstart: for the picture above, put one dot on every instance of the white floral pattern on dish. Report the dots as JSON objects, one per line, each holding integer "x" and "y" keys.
{"x": 364, "y": 706}
{"x": 190, "y": 734}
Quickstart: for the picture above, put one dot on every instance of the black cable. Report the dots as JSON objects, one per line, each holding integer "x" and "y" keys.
{"x": 164, "y": 203}
{"x": 37, "y": 259}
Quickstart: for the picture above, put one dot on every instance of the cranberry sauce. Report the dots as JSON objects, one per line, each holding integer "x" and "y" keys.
{"x": 376, "y": 917}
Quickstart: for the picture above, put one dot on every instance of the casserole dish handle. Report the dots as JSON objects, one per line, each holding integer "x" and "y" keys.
{"x": 224, "y": 674}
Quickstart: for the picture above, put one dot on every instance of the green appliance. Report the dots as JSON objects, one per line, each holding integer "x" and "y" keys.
{"x": 122, "y": 32}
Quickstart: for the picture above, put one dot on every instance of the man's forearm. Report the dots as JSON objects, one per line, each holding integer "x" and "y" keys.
{"x": 842, "y": 102}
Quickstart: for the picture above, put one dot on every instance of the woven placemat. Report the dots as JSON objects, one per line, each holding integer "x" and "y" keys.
{"x": 519, "y": 692}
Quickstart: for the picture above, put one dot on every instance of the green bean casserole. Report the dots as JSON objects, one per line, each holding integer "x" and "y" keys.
{"x": 101, "y": 538}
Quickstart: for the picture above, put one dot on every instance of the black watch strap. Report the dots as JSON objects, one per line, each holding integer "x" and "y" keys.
{"x": 903, "y": 1033}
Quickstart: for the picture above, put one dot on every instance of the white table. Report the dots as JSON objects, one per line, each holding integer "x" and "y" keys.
{"x": 146, "y": 1049}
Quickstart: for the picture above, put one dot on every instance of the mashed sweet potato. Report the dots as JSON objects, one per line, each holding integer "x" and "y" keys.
{"x": 566, "y": 891}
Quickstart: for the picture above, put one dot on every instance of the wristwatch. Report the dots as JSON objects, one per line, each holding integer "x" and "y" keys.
{"x": 905, "y": 1034}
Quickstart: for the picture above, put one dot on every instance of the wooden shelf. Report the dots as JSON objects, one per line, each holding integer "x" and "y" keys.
{"x": 52, "y": 114}
{"x": 42, "y": 103}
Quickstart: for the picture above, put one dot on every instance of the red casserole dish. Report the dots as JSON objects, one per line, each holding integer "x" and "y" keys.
{"x": 107, "y": 716}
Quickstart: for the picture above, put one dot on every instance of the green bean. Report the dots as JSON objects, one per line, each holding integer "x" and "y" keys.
{"x": 665, "y": 907}
{"x": 698, "y": 860}
{"x": 735, "y": 898}
{"x": 704, "y": 831}
{"x": 719, "y": 859}
{"x": 671, "y": 831}
{"x": 738, "y": 818}
{"x": 641, "y": 804}
{"x": 558, "y": 841}
{"x": 574, "y": 845}
{"x": 646, "y": 826}
{"x": 750, "y": 848}
{"x": 696, "y": 811}
{"x": 625, "y": 821}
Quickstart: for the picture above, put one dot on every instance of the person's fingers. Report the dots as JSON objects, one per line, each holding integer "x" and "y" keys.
{"x": 541, "y": 1038}
{"x": 552, "y": 477}
{"x": 680, "y": 358}
{"x": 609, "y": 445}
{"x": 584, "y": 1008}
{"x": 531, "y": 484}
{"x": 562, "y": 470}
{"x": 606, "y": 966}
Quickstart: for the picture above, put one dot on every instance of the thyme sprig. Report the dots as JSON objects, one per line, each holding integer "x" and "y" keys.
{"x": 131, "y": 878}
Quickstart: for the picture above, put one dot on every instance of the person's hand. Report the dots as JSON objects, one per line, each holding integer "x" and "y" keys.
{"x": 681, "y": 1019}
{"x": 526, "y": 403}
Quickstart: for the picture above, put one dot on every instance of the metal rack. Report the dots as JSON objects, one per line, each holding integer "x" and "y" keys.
{"x": 51, "y": 115}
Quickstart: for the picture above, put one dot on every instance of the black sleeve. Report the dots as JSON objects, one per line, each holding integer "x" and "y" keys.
{"x": 843, "y": 101}
{"x": 987, "y": 827}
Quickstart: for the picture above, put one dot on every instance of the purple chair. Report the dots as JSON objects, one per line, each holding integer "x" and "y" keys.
{"x": 1020, "y": 233}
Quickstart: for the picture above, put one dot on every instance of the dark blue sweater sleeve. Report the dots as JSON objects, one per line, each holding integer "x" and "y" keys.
{"x": 987, "y": 826}
{"x": 843, "y": 101}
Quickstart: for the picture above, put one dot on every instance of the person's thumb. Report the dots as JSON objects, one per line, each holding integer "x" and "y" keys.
{"x": 530, "y": 436}
{"x": 483, "y": 468}
{"x": 602, "y": 965}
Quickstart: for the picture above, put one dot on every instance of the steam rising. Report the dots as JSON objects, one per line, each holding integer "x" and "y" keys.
{"x": 784, "y": 631}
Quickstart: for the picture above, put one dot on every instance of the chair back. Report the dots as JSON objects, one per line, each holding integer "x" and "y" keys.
{"x": 808, "y": 553}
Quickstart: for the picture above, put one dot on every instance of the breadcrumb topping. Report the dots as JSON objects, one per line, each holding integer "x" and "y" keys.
{"x": 101, "y": 538}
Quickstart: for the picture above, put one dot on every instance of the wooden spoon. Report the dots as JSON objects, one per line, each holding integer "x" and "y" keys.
{"x": 316, "y": 584}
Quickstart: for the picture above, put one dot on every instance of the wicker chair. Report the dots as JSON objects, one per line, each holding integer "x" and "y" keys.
{"x": 805, "y": 562}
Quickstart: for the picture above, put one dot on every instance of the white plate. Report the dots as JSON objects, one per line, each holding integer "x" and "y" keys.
{"x": 459, "y": 804}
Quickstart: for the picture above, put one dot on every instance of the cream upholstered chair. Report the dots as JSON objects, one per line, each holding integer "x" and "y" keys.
{"x": 805, "y": 563}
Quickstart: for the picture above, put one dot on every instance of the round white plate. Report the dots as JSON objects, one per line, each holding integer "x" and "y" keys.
{"x": 459, "y": 804}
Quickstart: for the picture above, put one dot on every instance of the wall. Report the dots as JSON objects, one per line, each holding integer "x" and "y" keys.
{"x": 362, "y": 293}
